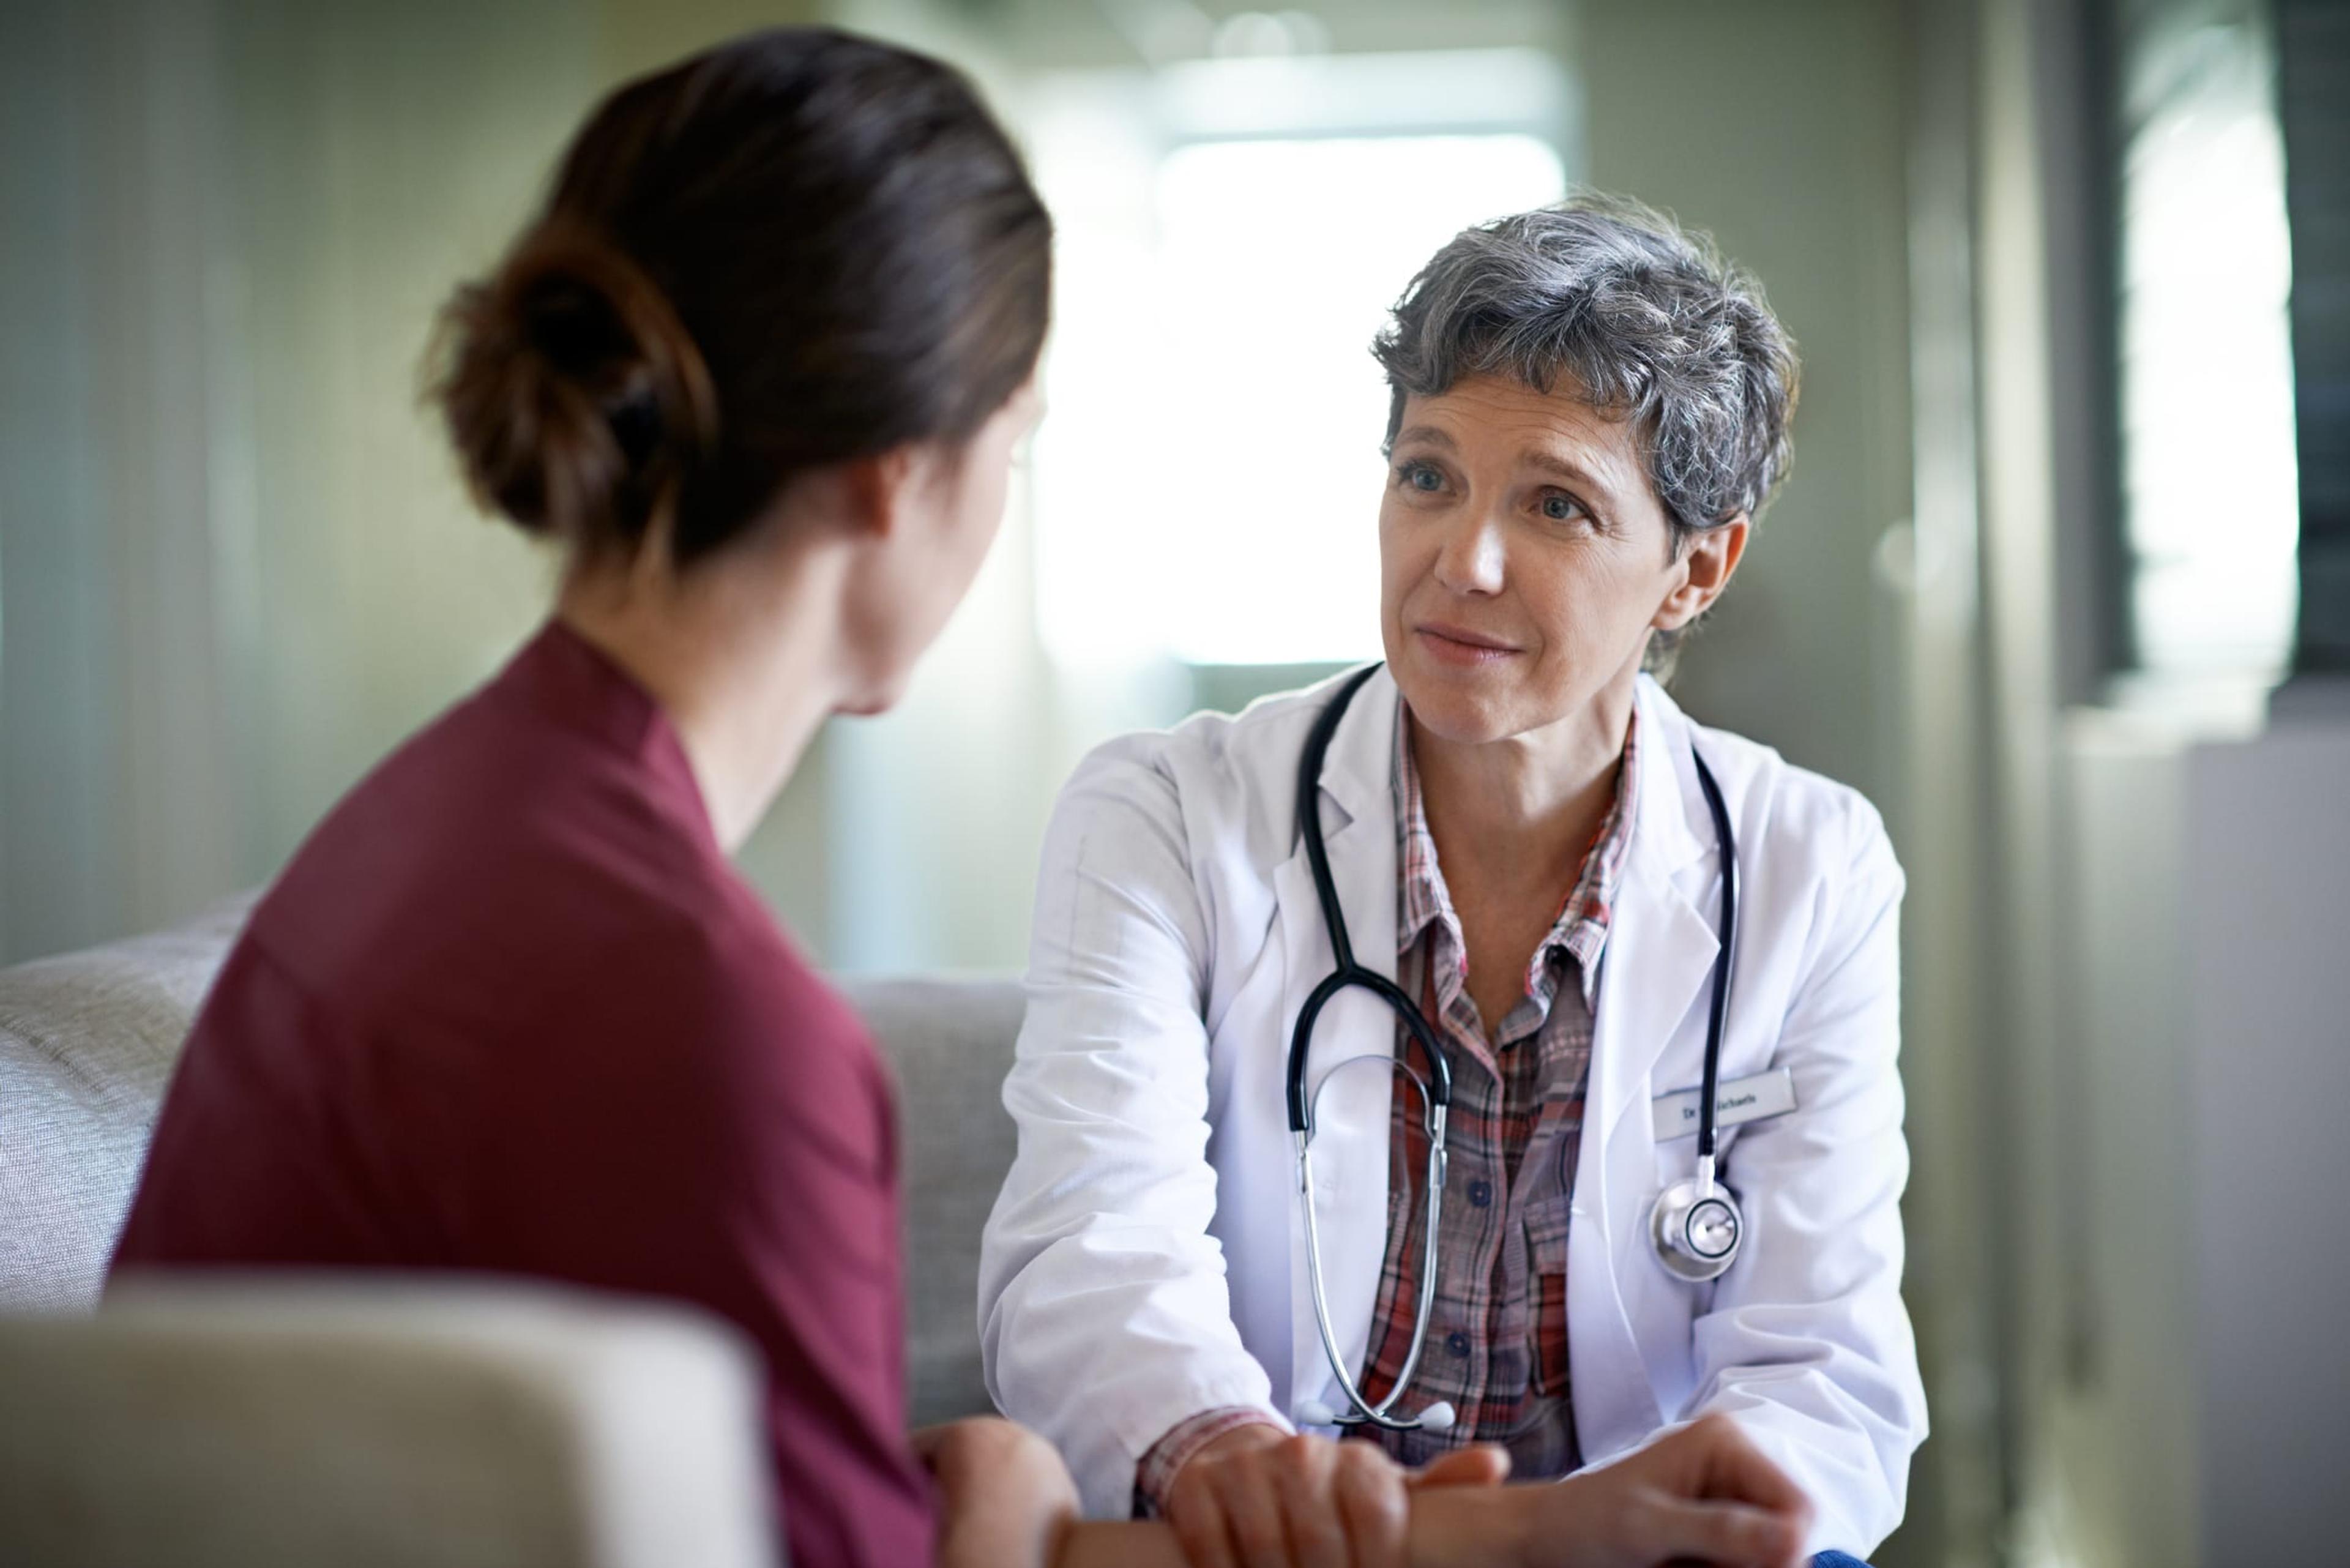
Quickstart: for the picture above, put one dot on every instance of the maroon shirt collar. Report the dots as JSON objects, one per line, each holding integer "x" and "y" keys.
{"x": 563, "y": 677}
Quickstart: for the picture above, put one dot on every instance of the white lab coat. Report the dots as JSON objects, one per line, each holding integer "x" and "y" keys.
{"x": 1144, "y": 1260}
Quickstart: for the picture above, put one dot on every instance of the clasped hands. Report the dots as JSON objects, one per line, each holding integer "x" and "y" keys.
{"x": 1258, "y": 1497}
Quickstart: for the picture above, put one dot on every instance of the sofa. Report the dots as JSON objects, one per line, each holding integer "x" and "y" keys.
{"x": 299, "y": 1421}
{"x": 88, "y": 1041}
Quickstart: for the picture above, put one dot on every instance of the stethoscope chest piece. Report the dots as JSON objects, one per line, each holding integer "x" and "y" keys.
{"x": 1696, "y": 1235}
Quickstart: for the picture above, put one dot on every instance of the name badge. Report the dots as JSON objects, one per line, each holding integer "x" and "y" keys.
{"x": 1771, "y": 1093}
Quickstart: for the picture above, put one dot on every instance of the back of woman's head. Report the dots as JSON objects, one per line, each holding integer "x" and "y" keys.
{"x": 797, "y": 249}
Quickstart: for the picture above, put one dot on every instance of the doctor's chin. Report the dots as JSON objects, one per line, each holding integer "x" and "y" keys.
{"x": 1129, "y": 783}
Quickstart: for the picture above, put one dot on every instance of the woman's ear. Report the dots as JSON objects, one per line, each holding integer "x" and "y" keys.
{"x": 1707, "y": 563}
{"x": 875, "y": 492}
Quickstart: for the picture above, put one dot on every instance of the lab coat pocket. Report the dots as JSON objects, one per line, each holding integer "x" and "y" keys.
{"x": 1546, "y": 1227}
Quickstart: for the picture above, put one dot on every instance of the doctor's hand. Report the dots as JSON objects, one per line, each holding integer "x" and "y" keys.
{"x": 1703, "y": 1494}
{"x": 1258, "y": 1497}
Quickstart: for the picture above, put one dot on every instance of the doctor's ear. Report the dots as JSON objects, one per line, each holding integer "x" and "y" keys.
{"x": 1707, "y": 562}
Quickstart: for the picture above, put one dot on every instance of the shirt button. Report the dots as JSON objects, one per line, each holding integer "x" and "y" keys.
{"x": 1480, "y": 1193}
{"x": 1457, "y": 1343}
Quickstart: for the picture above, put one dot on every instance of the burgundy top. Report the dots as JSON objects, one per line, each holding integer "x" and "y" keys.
{"x": 511, "y": 1009}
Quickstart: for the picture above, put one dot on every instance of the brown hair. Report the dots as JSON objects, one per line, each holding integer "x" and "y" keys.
{"x": 798, "y": 248}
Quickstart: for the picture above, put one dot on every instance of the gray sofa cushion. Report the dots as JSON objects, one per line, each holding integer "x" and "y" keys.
{"x": 88, "y": 1039}
{"x": 87, "y": 1044}
{"x": 950, "y": 1042}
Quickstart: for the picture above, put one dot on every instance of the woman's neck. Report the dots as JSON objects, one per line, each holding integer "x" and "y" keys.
{"x": 1521, "y": 812}
{"x": 742, "y": 656}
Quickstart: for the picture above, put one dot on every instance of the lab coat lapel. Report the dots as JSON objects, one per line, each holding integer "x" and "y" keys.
{"x": 1350, "y": 1141}
{"x": 1661, "y": 948}
{"x": 1660, "y": 953}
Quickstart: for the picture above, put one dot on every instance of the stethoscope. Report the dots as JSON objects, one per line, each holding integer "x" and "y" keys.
{"x": 1695, "y": 1225}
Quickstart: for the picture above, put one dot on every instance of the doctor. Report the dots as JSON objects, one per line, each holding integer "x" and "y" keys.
{"x": 1534, "y": 865}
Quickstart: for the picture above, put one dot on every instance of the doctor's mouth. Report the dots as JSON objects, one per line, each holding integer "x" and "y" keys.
{"x": 1459, "y": 646}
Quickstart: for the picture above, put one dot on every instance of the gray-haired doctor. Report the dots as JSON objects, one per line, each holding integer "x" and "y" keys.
{"x": 1480, "y": 1208}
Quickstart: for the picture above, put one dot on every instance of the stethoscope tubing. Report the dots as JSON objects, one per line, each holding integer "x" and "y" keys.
{"x": 1718, "y": 1014}
{"x": 1436, "y": 1088}
{"x": 1363, "y": 1411}
{"x": 1347, "y": 972}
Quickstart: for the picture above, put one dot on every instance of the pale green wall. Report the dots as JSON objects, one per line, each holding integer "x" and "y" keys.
{"x": 1780, "y": 129}
{"x": 235, "y": 564}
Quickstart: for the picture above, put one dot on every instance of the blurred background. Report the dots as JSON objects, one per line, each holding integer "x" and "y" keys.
{"x": 2062, "y": 578}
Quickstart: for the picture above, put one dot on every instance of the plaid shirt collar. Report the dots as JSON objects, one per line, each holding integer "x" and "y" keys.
{"x": 1581, "y": 929}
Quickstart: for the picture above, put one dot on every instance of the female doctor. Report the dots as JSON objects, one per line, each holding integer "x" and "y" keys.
{"x": 1363, "y": 1086}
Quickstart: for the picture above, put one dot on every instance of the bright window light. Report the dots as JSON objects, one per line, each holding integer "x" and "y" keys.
{"x": 1208, "y": 479}
{"x": 2208, "y": 471}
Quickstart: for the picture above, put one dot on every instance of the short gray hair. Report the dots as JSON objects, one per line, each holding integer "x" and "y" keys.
{"x": 1641, "y": 320}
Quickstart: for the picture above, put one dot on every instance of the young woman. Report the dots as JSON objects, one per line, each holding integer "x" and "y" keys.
{"x": 757, "y": 369}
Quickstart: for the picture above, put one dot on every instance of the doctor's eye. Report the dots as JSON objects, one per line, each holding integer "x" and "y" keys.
{"x": 1560, "y": 507}
{"x": 1424, "y": 477}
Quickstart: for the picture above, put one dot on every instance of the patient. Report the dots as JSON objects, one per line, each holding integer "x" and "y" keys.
{"x": 756, "y": 371}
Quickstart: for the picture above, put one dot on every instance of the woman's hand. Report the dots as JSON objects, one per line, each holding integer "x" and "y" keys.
{"x": 1257, "y": 1497}
{"x": 1704, "y": 1493}
{"x": 1005, "y": 1496}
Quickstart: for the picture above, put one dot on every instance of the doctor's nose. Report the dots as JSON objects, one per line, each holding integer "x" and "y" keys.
{"x": 1470, "y": 558}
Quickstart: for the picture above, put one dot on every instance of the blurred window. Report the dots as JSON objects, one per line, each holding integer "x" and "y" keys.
{"x": 2208, "y": 476}
{"x": 1232, "y": 234}
{"x": 2314, "y": 94}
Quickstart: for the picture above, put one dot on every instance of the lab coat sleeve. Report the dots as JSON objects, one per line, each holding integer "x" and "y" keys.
{"x": 1104, "y": 1316}
{"x": 1806, "y": 1342}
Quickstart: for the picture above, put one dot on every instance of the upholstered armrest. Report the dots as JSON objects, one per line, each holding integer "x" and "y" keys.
{"x": 293, "y": 1419}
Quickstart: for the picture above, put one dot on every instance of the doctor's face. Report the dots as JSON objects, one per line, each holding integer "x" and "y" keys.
{"x": 1524, "y": 560}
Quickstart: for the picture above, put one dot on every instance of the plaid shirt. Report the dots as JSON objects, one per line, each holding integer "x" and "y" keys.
{"x": 1497, "y": 1331}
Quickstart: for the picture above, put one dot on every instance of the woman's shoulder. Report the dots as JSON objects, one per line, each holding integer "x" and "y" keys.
{"x": 742, "y": 980}
{"x": 499, "y": 866}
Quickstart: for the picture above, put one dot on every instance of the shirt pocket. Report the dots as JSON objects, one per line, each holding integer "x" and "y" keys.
{"x": 1546, "y": 1224}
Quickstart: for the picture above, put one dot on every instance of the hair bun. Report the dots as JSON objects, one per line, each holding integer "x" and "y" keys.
{"x": 578, "y": 402}
{"x": 853, "y": 242}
